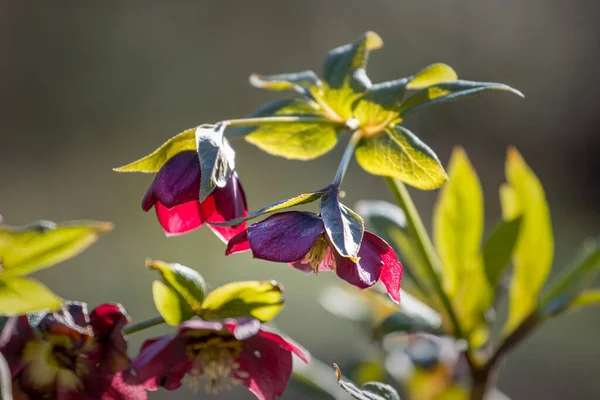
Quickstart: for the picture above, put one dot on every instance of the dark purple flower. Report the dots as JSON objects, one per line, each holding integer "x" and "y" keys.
{"x": 71, "y": 355}
{"x": 299, "y": 238}
{"x": 220, "y": 353}
{"x": 175, "y": 193}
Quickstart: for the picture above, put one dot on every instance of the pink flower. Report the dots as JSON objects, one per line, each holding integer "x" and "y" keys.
{"x": 69, "y": 355}
{"x": 299, "y": 238}
{"x": 222, "y": 353}
{"x": 175, "y": 193}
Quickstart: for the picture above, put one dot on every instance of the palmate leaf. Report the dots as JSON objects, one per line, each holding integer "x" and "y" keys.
{"x": 343, "y": 226}
{"x": 523, "y": 196}
{"x": 22, "y": 295}
{"x": 153, "y": 162}
{"x": 260, "y": 299}
{"x": 43, "y": 244}
{"x": 398, "y": 153}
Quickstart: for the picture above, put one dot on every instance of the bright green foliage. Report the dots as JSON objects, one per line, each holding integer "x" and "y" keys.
{"x": 261, "y": 300}
{"x": 369, "y": 391}
{"x": 398, "y": 153}
{"x": 523, "y": 196}
{"x": 21, "y": 295}
{"x": 457, "y": 231}
{"x": 180, "y": 293}
{"x": 498, "y": 250}
{"x": 432, "y": 75}
{"x": 153, "y": 162}
{"x": 586, "y": 298}
{"x": 43, "y": 244}
{"x": 344, "y": 227}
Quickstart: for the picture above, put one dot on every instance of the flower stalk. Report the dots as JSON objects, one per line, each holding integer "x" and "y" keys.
{"x": 140, "y": 326}
{"x": 341, "y": 171}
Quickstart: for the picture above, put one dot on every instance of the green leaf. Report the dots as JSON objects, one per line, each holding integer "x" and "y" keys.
{"x": 369, "y": 391}
{"x": 450, "y": 91}
{"x": 171, "y": 306}
{"x": 154, "y": 161}
{"x": 261, "y": 300}
{"x": 532, "y": 258}
{"x": 457, "y": 231}
{"x": 22, "y": 295}
{"x": 44, "y": 244}
{"x": 277, "y": 206}
{"x": 294, "y": 140}
{"x": 398, "y": 153}
{"x": 586, "y": 298}
{"x": 343, "y": 226}
{"x": 380, "y": 105}
{"x": 432, "y": 75}
{"x": 184, "y": 281}
{"x": 576, "y": 278}
{"x": 217, "y": 158}
{"x": 300, "y": 81}
{"x": 498, "y": 250}
{"x": 405, "y": 323}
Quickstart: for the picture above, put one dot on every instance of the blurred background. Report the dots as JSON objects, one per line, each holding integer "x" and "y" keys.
{"x": 87, "y": 87}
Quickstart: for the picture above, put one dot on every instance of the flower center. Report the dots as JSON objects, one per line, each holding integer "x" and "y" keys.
{"x": 319, "y": 253}
{"x": 214, "y": 358}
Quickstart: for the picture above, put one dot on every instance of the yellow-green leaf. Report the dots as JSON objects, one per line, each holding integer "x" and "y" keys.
{"x": 259, "y": 299}
{"x": 185, "y": 140}
{"x": 44, "y": 243}
{"x": 380, "y": 105}
{"x": 186, "y": 282}
{"x": 398, "y": 153}
{"x": 22, "y": 295}
{"x": 586, "y": 298}
{"x": 299, "y": 81}
{"x": 457, "y": 231}
{"x": 170, "y": 304}
{"x": 432, "y": 75}
{"x": 524, "y": 197}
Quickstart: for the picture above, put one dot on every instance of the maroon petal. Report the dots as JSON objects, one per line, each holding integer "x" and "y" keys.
{"x": 120, "y": 386}
{"x": 367, "y": 270}
{"x": 285, "y": 237}
{"x": 238, "y": 243}
{"x": 15, "y": 335}
{"x": 108, "y": 321}
{"x": 162, "y": 362}
{"x": 177, "y": 182}
{"x": 391, "y": 271}
{"x": 180, "y": 219}
{"x": 285, "y": 343}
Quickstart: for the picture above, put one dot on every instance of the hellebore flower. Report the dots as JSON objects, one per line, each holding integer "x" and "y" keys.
{"x": 70, "y": 355}
{"x": 299, "y": 238}
{"x": 175, "y": 196}
{"x": 224, "y": 353}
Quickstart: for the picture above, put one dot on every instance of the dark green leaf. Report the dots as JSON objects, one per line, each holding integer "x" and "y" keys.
{"x": 300, "y": 81}
{"x": 380, "y": 105}
{"x": 498, "y": 249}
{"x": 261, "y": 300}
{"x": 369, "y": 391}
{"x": 405, "y": 323}
{"x": 153, "y": 162}
{"x": 450, "y": 91}
{"x": 44, "y": 244}
{"x": 343, "y": 226}
{"x": 22, "y": 295}
{"x": 398, "y": 153}
{"x": 217, "y": 158}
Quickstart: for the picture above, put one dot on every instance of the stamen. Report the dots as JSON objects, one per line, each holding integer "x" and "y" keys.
{"x": 319, "y": 253}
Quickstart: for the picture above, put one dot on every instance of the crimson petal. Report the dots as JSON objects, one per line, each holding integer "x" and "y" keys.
{"x": 225, "y": 204}
{"x": 366, "y": 271}
{"x": 180, "y": 219}
{"x": 162, "y": 362}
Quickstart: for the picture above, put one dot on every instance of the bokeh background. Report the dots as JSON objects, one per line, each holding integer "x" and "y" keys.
{"x": 85, "y": 87}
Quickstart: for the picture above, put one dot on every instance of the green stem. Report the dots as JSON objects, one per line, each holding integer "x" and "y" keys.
{"x": 425, "y": 247}
{"x": 140, "y": 326}
{"x": 274, "y": 120}
{"x": 341, "y": 171}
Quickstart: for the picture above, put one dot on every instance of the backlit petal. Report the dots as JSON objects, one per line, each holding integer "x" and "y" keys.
{"x": 180, "y": 219}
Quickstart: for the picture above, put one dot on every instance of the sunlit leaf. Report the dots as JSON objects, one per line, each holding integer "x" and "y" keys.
{"x": 498, "y": 250}
{"x": 344, "y": 227}
{"x": 44, "y": 244}
{"x": 260, "y": 299}
{"x": 170, "y": 304}
{"x": 217, "y": 158}
{"x": 398, "y": 153}
{"x": 185, "y": 282}
{"x": 369, "y": 391}
{"x": 432, "y": 75}
{"x": 153, "y": 162}
{"x": 300, "y": 81}
{"x": 22, "y": 295}
{"x": 294, "y": 140}
{"x": 532, "y": 258}
{"x": 380, "y": 105}
{"x": 576, "y": 278}
{"x": 586, "y": 298}
{"x": 450, "y": 91}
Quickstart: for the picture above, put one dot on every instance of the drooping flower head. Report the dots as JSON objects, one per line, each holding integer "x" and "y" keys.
{"x": 220, "y": 354}
{"x": 70, "y": 355}
{"x": 175, "y": 196}
{"x": 299, "y": 238}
